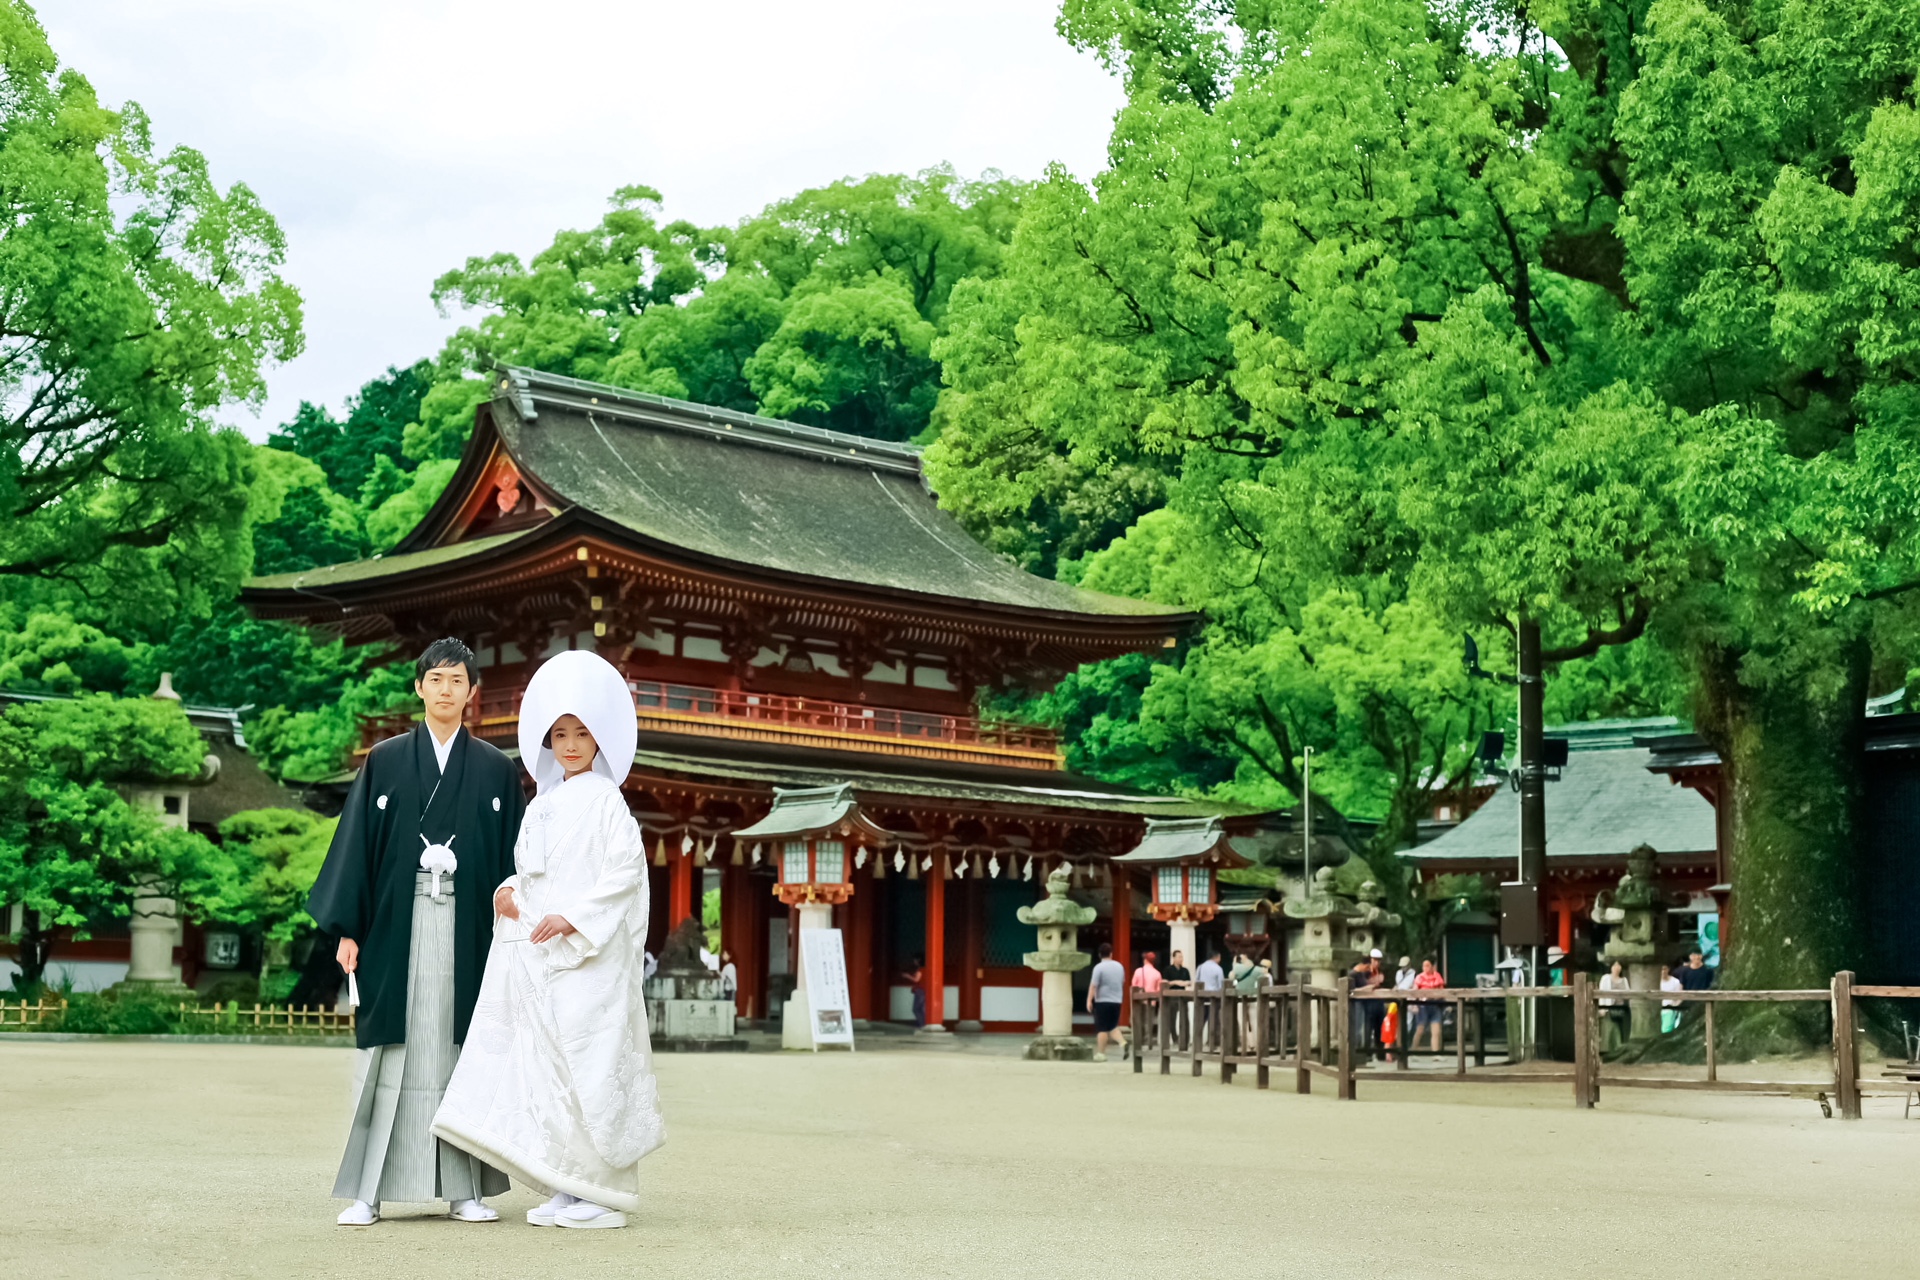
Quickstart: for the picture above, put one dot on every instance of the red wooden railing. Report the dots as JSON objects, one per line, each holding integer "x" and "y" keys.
{"x": 658, "y": 700}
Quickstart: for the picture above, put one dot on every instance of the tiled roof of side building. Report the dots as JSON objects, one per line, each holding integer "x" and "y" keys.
{"x": 1605, "y": 803}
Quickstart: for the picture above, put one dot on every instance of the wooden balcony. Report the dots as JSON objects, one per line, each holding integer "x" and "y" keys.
{"x": 664, "y": 707}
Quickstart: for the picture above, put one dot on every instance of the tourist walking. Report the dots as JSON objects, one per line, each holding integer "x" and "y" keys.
{"x": 1245, "y": 977}
{"x": 1669, "y": 1009}
{"x": 426, "y": 835}
{"x": 1106, "y": 994}
{"x": 1614, "y": 1011}
{"x": 556, "y": 1085}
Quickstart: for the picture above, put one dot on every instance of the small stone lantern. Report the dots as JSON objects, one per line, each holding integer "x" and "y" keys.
{"x": 1057, "y": 959}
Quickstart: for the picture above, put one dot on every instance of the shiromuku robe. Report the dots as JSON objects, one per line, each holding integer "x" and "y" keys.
{"x": 555, "y": 1084}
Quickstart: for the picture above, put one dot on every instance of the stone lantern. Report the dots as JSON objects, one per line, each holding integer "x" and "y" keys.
{"x": 814, "y": 833}
{"x": 1325, "y": 951}
{"x": 1184, "y": 856}
{"x": 1367, "y": 926}
{"x": 1637, "y": 912}
{"x": 1057, "y": 959}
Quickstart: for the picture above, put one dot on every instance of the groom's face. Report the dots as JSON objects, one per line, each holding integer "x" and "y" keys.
{"x": 445, "y": 691}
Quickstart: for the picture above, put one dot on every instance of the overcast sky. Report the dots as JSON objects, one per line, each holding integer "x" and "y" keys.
{"x": 393, "y": 138}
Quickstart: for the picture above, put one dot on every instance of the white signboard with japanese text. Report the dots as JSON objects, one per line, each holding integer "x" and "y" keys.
{"x": 824, "y": 963}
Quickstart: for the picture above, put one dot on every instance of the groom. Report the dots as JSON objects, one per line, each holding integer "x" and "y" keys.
{"x": 415, "y": 937}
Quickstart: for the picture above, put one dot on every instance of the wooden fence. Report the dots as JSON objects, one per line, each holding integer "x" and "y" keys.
{"x": 1310, "y": 1031}
{"x": 30, "y": 1014}
{"x": 265, "y": 1019}
{"x": 268, "y": 1019}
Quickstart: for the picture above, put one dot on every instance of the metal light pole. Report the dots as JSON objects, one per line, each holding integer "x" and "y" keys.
{"x": 1306, "y": 809}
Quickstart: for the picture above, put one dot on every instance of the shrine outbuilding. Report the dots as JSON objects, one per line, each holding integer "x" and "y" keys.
{"x": 793, "y": 610}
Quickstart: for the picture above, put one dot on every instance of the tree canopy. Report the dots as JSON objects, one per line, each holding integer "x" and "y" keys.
{"x": 1594, "y": 318}
{"x": 136, "y": 297}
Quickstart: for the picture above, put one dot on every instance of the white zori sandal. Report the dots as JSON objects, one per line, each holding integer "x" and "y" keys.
{"x": 359, "y": 1214}
{"x": 587, "y": 1214}
{"x": 543, "y": 1216}
{"x": 473, "y": 1211}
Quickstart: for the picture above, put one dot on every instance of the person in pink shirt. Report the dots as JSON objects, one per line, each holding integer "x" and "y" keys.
{"x": 1147, "y": 978}
{"x": 1428, "y": 1013}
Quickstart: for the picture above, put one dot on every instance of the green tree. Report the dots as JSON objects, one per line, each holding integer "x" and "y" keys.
{"x": 378, "y": 416}
{"x": 275, "y": 855}
{"x": 135, "y": 298}
{"x": 73, "y": 851}
{"x": 1592, "y": 319}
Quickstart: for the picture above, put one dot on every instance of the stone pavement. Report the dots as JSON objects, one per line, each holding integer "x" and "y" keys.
{"x": 134, "y": 1160}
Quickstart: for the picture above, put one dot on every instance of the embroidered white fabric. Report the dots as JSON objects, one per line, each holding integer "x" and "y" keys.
{"x": 555, "y": 1082}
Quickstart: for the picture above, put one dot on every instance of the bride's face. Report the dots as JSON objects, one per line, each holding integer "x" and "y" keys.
{"x": 572, "y": 745}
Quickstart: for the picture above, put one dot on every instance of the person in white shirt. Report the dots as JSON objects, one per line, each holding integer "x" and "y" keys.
{"x": 1614, "y": 1011}
{"x": 1403, "y": 976}
{"x": 1669, "y": 1009}
{"x": 1106, "y": 995}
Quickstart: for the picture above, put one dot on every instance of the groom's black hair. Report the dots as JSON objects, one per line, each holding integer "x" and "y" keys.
{"x": 447, "y": 653}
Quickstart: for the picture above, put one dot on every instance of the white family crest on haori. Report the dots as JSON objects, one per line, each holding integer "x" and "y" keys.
{"x": 438, "y": 859}
{"x": 555, "y": 1083}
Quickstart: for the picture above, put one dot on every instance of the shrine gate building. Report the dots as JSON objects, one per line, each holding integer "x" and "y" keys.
{"x": 792, "y": 610}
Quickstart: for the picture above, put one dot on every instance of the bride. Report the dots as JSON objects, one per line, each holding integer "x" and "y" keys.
{"x": 555, "y": 1084}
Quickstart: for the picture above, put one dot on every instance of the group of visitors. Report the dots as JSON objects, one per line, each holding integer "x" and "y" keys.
{"x": 1695, "y": 975}
{"x": 1384, "y": 1025}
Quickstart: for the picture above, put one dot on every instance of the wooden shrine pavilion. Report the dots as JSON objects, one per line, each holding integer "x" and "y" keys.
{"x": 793, "y": 610}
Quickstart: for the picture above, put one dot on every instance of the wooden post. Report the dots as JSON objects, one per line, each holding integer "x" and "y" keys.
{"x": 1403, "y": 1040}
{"x": 1713, "y": 1066}
{"x": 1166, "y": 1032}
{"x": 1459, "y": 1036}
{"x": 1343, "y": 1028}
{"x": 1229, "y": 1035}
{"x": 1197, "y": 1007}
{"x": 1480, "y": 1033}
{"x": 1582, "y": 1040}
{"x": 1302, "y": 1033}
{"x": 1846, "y": 1066}
{"x": 1138, "y": 999}
{"x": 1122, "y": 882}
{"x": 1260, "y": 1039}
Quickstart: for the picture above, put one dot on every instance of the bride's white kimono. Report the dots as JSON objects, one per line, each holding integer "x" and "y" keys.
{"x": 555, "y": 1084}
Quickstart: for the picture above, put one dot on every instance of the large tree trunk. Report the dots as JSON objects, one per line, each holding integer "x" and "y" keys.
{"x": 1793, "y": 772}
{"x": 36, "y": 945}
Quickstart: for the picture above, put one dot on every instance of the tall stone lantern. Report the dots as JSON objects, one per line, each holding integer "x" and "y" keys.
{"x": 1058, "y": 957}
{"x": 814, "y": 833}
{"x": 1325, "y": 950}
{"x": 1368, "y": 925}
{"x": 1637, "y": 911}
{"x": 1184, "y": 857}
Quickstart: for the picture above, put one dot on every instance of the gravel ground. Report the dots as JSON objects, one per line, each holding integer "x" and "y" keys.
{"x": 128, "y": 1160}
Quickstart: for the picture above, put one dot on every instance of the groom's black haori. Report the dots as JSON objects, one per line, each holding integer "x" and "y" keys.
{"x": 365, "y": 889}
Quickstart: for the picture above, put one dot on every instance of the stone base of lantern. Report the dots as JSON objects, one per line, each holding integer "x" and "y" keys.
{"x": 1059, "y": 1049}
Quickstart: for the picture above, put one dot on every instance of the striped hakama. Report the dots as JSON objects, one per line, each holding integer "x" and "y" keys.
{"x": 391, "y": 1153}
